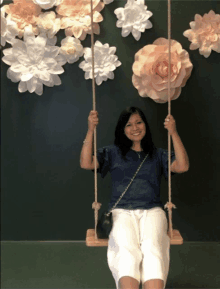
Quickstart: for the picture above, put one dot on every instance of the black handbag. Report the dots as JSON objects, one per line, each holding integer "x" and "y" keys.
{"x": 105, "y": 223}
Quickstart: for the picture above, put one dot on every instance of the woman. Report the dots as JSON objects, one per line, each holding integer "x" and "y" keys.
{"x": 138, "y": 247}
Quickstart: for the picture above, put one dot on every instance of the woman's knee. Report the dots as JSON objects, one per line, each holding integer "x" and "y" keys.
{"x": 127, "y": 282}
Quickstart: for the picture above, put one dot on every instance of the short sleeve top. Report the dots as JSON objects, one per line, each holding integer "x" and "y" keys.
{"x": 144, "y": 192}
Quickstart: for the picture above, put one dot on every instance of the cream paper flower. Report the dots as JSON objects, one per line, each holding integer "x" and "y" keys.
{"x": 133, "y": 18}
{"x": 47, "y": 4}
{"x": 48, "y": 23}
{"x": 75, "y": 17}
{"x": 71, "y": 49}
{"x": 150, "y": 70}
{"x": 33, "y": 63}
{"x": 205, "y": 33}
{"x": 8, "y": 29}
{"x": 105, "y": 62}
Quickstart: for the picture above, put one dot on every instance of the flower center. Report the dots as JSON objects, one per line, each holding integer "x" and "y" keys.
{"x": 161, "y": 69}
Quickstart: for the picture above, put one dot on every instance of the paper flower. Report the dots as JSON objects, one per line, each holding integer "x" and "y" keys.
{"x": 105, "y": 62}
{"x": 107, "y": 1}
{"x": 47, "y": 4}
{"x": 133, "y": 18}
{"x": 48, "y": 23}
{"x": 205, "y": 33}
{"x": 24, "y": 13}
{"x": 8, "y": 29}
{"x": 1, "y": 1}
{"x": 71, "y": 49}
{"x": 151, "y": 70}
{"x": 76, "y": 18}
{"x": 33, "y": 63}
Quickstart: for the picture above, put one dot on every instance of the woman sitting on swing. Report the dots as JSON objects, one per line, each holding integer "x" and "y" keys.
{"x": 138, "y": 246}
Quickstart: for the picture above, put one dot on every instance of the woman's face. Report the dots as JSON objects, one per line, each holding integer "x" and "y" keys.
{"x": 135, "y": 128}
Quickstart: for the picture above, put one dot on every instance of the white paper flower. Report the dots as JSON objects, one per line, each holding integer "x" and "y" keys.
{"x": 106, "y": 2}
{"x": 71, "y": 48}
{"x": 8, "y": 29}
{"x": 48, "y": 23}
{"x": 33, "y": 63}
{"x": 105, "y": 62}
{"x": 133, "y": 18}
{"x": 47, "y": 4}
{"x": 1, "y": 1}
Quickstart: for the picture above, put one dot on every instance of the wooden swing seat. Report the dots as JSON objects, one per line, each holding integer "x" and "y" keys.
{"x": 92, "y": 242}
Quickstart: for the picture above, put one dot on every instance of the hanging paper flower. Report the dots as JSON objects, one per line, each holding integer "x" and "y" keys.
{"x": 47, "y": 4}
{"x": 48, "y": 23}
{"x": 106, "y": 2}
{"x": 1, "y": 1}
{"x": 133, "y": 18}
{"x": 105, "y": 62}
{"x": 76, "y": 18}
{"x": 151, "y": 70}
{"x": 71, "y": 48}
{"x": 205, "y": 33}
{"x": 8, "y": 29}
{"x": 33, "y": 63}
{"x": 24, "y": 13}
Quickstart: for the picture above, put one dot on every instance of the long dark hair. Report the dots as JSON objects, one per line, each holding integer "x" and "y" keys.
{"x": 125, "y": 143}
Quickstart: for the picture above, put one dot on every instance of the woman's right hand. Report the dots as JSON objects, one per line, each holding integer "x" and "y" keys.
{"x": 93, "y": 120}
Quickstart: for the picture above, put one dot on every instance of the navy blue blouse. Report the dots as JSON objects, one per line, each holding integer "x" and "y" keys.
{"x": 144, "y": 192}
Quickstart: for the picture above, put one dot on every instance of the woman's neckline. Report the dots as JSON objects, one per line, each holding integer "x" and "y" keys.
{"x": 136, "y": 151}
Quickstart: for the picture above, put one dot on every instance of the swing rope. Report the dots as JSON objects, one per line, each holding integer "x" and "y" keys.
{"x": 96, "y": 206}
{"x": 169, "y": 205}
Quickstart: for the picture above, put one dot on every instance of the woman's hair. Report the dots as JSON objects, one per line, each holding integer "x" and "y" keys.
{"x": 125, "y": 143}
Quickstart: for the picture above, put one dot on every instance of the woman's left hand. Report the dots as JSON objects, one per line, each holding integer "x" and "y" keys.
{"x": 170, "y": 124}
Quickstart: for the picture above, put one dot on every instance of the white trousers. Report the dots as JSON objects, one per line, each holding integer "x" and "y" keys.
{"x": 139, "y": 246}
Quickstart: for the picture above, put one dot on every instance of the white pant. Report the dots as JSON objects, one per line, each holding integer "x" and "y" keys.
{"x": 139, "y": 246}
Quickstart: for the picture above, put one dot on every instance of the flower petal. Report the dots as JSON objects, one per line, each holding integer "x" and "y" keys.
{"x": 26, "y": 76}
{"x": 56, "y": 70}
{"x": 39, "y": 88}
{"x": 56, "y": 79}
{"x": 32, "y": 84}
{"x": 22, "y": 87}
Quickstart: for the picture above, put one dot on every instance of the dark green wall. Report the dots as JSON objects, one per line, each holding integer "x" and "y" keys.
{"x": 47, "y": 196}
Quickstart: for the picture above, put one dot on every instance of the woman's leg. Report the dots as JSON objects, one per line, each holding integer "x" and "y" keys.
{"x": 127, "y": 282}
{"x": 154, "y": 284}
{"x": 124, "y": 254}
{"x": 155, "y": 245}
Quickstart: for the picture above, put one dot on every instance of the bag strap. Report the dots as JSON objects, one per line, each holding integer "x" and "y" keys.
{"x": 127, "y": 186}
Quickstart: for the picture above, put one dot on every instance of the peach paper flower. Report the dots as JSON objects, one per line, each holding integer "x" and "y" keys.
{"x": 24, "y": 13}
{"x": 76, "y": 18}
{"x": 205, "y": 33}
{"x": 151, "y": 70}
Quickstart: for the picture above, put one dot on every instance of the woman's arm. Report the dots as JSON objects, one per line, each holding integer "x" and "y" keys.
{"x": 181, "y": 164}
{"x": 86, "y": 156}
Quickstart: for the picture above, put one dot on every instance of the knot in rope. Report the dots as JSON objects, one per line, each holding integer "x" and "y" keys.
{"x": 169, "y": 205}
{"x": 96, "y": 205}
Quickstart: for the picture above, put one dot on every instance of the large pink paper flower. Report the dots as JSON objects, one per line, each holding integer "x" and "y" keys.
{"x": 205, "y": 33}
{"x": 151, "y": 70}
{"x": 24, "y": 13}
{"x": 76, "y": 18}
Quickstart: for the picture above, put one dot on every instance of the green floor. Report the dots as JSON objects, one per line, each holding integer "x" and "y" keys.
{"x": 73, "y": 265}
